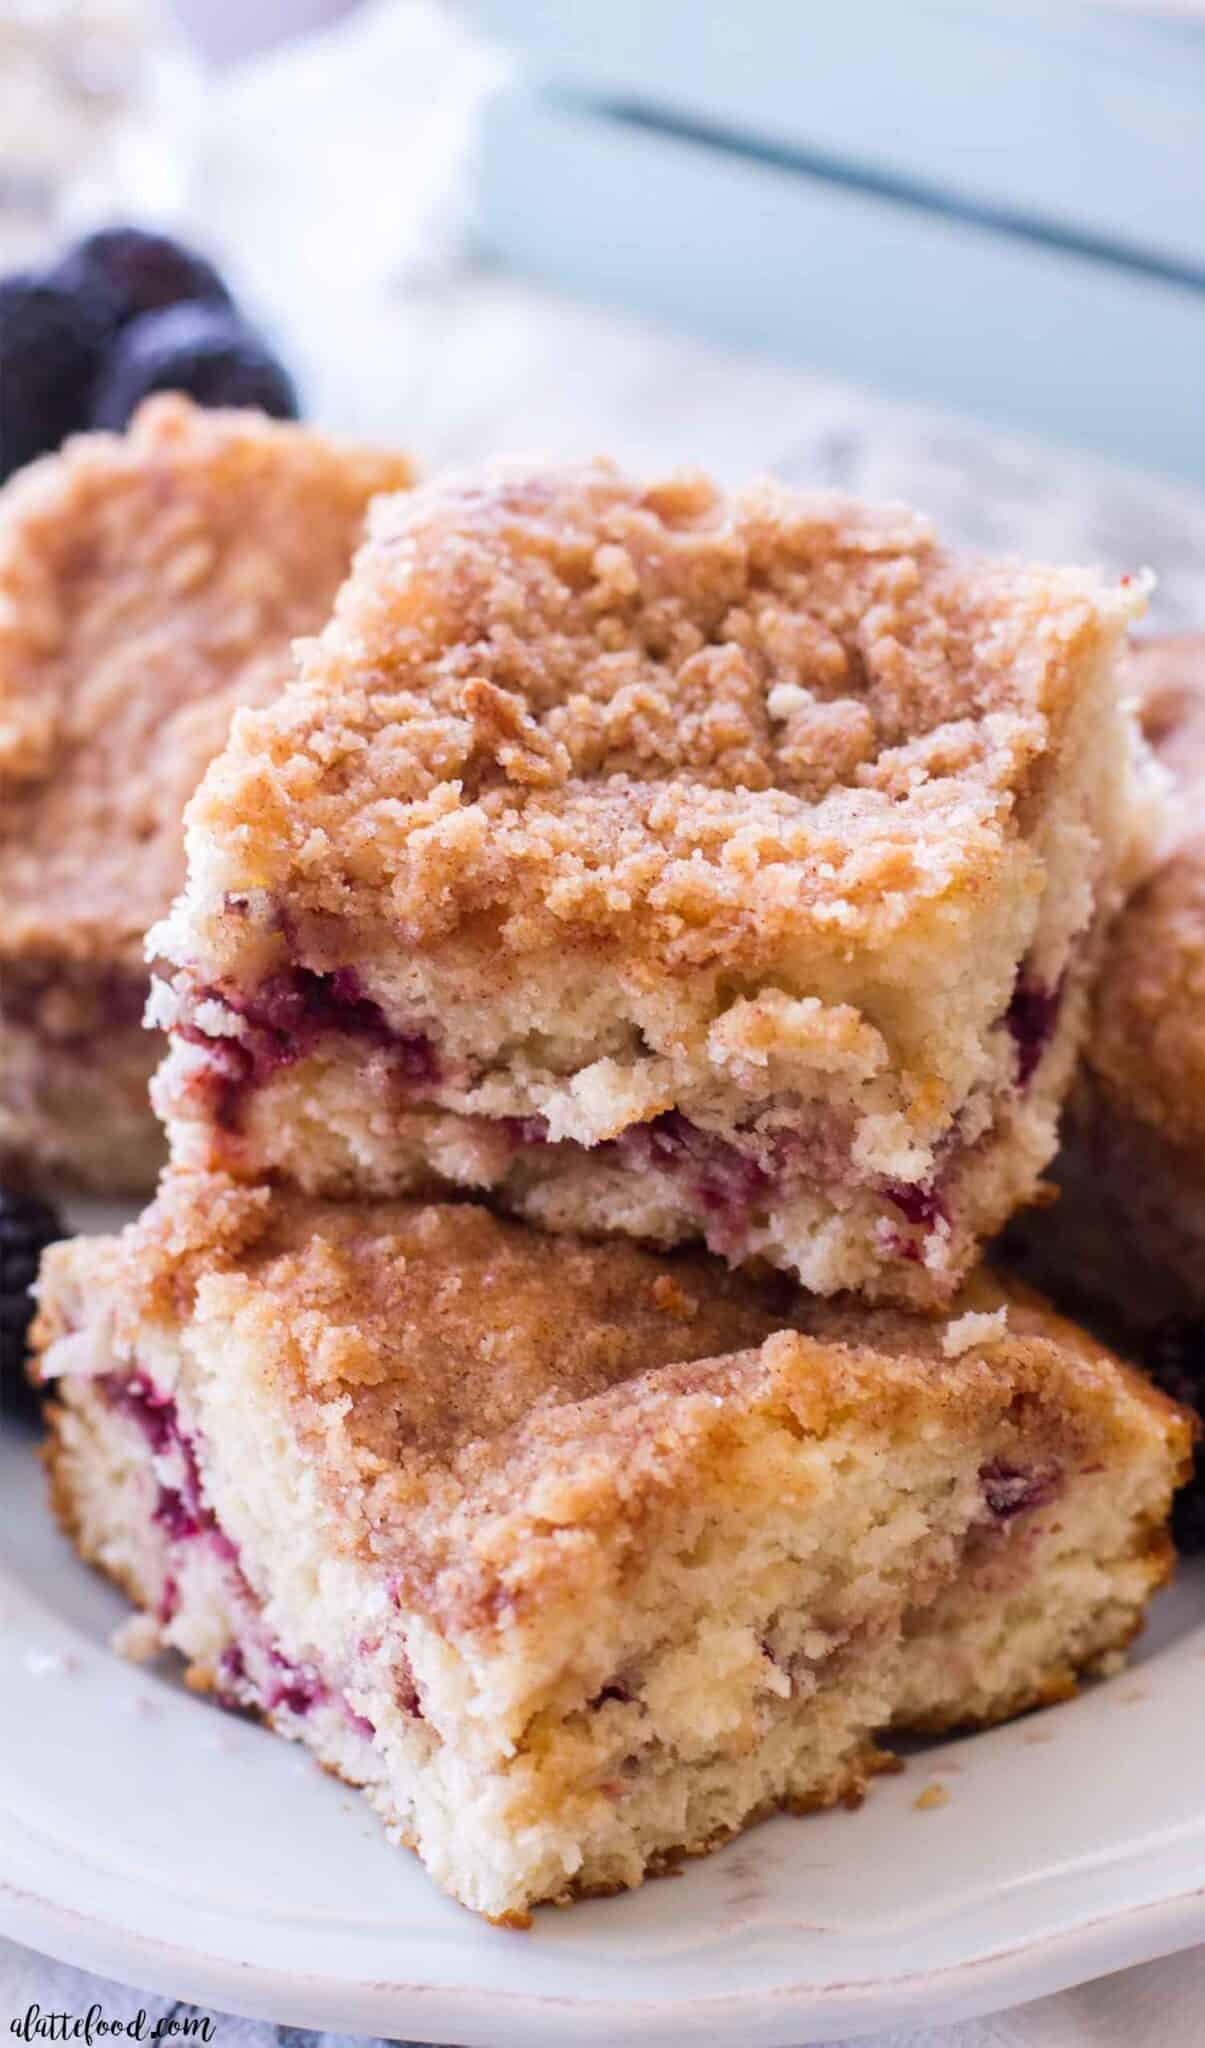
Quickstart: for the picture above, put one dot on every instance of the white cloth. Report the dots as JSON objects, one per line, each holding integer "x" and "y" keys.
{"x": 399, "y": 336}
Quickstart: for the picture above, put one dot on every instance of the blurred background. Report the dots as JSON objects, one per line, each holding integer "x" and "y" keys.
{"x": 949, "y": 251}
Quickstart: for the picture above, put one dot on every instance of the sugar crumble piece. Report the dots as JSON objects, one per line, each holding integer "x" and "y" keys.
{"x": 137, "y": 1639}
{"x": 973, "y": 1329}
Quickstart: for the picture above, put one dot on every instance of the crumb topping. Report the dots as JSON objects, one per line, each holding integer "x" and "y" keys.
{"x": 149, "y": 584}
{"x": 480, "y": 1398}
{"x": 559, "y": 706}
{"x": 967, "y": 1331}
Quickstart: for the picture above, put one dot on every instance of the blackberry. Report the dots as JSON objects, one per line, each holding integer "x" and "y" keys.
{"x": 206, "y": 351}
{"x": 27, "y": 1226}
{"x": 1176, "y": 1362}
{"x": 51, "y": 346}
{"x": 124, "y": 271}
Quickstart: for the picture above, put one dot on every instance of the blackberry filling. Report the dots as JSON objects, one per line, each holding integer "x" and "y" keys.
{"x": 406, "y": 1695}
{"x": 298, "y": 1688}
{"x": 727, "y": 1182}
{"x": 182, "y": 1515}
{"x": 922, "y": 1206}
{"x": 290, "y": 1012}
{"x": 235, "y": 1690}
{"x": 179, "y": 1510}
{"x": 1010, "y": 1490}
{"x": 174, "y": 1516}
{"x": 723, "y": 1180}
{"x": 1030, "y": 1018}
{"x": 283, "y": 1022}
{"x": 154, "y": 1413}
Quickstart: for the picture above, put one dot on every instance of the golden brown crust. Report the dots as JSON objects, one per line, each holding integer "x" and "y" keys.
{"x": 487, "y": 1403}
{"x": 566, "y": 709}
{"x": 1145, "y": 1056}
{"x": 149, "y": 584}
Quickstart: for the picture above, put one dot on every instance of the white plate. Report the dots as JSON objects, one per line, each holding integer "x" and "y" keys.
{"x": 148, "y": 1835}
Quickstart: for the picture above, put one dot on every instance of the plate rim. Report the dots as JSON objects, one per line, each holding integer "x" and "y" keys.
{"x": 1032, "y": 1968}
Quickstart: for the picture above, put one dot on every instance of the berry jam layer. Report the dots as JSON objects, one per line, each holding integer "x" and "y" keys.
{"x": 307, "y": 1079}
{"x": 197, "y": 1563}
{"x": 287, "y": 1019}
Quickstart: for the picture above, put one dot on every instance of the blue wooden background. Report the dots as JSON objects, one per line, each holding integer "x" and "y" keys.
{"x": 998, "y": 207}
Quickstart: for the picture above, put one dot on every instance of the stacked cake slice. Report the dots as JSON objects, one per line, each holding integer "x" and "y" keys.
{"x": 576, "y": 1558}
{"x": 625, "y": 870}
{"x": 668, "y": 865}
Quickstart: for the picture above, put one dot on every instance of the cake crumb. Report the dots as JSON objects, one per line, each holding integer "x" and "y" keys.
{"x": 136, "y": 1639}
{"x": 933, "y": 1795}
{"x": 1113, "y": 1662}
{"x": 673, "y": 1298}
{"x": 784, "y": 699}
{"x": 973, "y": 1328}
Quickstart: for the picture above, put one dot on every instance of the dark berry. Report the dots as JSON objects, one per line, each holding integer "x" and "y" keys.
{"x": 1010, "y": 1490}
{"x": 1175, "y": 1359}
{"x": 51, "y": 345}
{"x": 1031, "y": 1017}
{"x": 27, "y": 1226}
{"x": 205, "y": 351}
{"x": 922, "y": 1205}
{"x": 125, "y": 272}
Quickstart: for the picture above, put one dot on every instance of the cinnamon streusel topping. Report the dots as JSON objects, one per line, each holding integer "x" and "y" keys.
{"x": 149, "y": 583}
{"x": 557, "y": 707}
